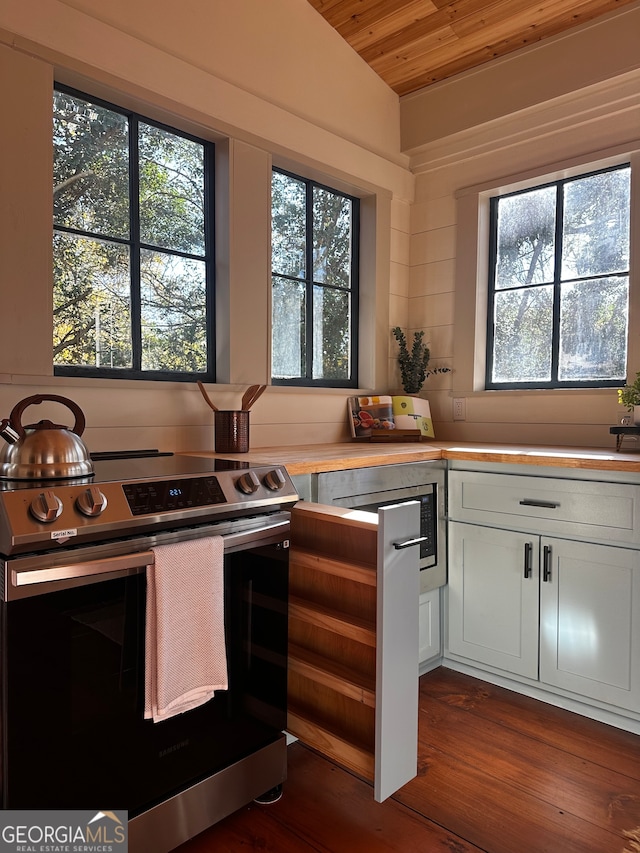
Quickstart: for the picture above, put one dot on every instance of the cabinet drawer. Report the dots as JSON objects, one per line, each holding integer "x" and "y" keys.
{"x": 578, "y": 508}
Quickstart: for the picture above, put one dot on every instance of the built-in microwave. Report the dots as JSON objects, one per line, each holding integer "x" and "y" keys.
{"x": 381, "y": 485}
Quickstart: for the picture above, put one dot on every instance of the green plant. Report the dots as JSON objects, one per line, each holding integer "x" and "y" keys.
{"x": 414, "y": 362}
{"x": 629, "y": 396}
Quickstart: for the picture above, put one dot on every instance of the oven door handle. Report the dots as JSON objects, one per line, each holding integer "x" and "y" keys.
{"x": 82, "y": 570}
{"x": 409, "y": 543}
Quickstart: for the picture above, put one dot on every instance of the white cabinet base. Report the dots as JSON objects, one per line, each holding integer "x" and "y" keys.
{"x": 430, "y": 643}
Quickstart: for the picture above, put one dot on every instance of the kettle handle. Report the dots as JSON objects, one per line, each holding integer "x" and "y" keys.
{"x": 15, "y": 418}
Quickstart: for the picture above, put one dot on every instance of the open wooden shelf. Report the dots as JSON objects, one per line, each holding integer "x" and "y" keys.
{"x": 352, "y": 687}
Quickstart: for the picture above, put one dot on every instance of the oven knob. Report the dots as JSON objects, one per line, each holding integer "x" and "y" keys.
{"x": 91, "y": 502}
{"x": 274, "y": 480}
{"x": 248, "y": 483}
{"x": 46, "y": 507}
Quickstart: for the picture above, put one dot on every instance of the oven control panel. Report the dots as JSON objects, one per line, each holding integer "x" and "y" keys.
{"x": 166, "y": 495}
{"x": 42, "y": 516}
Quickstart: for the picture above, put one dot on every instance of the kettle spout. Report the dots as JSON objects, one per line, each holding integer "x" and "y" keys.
{"x": 8, "y": 432}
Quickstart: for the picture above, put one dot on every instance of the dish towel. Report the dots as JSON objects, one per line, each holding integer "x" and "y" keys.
{"x": 185, "y": 654}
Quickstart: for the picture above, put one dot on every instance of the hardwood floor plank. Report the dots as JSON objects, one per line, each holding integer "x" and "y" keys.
{"x": 599, "y": 743}
{"x": 494, "y": 815}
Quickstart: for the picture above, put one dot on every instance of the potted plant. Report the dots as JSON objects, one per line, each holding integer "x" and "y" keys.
{"x": 629, "y": 396}
{"x": 414, "y": 362}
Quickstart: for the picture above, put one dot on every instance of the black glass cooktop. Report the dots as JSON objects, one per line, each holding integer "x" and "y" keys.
{"x": 117, "y": 466}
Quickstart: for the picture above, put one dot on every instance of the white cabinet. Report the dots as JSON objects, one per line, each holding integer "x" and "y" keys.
{"x": 590, "y": 621}
{"x": 556, "y": 610}
{"x": 493, "y": 607}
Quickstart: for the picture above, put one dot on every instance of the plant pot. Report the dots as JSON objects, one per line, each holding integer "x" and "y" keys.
{"x": 635, "y": 415}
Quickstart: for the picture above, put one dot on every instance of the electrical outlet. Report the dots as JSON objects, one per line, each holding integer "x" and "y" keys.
{"x": 459, "y": 409}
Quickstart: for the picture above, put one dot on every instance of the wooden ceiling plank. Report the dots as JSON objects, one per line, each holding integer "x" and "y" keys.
{"x": 433, "y": 23}
{"x": 415, "y": 54}
{"x": 384, "y": 19}
{"x": 515, "y": 16}
{"x": 342, "y": 13}
{"x": 497, "y": 40}
{"x": 444, "y": 66}
{"x": 411, "y": 44}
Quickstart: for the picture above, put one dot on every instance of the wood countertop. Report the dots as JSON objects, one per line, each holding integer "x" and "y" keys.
{"x": 317, "y": 458}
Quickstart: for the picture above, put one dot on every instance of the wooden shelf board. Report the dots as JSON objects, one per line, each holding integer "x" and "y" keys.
{"x": 332, "y": 745}
{"x": 331, "y": 674}
{"x": 362, "y": 630}
{"x": 299, "y": 558}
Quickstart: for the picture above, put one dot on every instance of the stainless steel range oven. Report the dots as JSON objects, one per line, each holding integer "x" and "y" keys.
{"x": 74, "y": 557}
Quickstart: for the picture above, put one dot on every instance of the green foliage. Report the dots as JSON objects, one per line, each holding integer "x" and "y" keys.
{"x": 414, "y": 362}
{"x": 94, "y": 276}
{"x": 311, "y": 307}
{"x": 629, "y": 396}
{"x": 591, "y": 313}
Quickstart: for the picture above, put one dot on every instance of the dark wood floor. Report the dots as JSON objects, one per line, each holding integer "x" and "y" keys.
{"x": 498, "y": 772}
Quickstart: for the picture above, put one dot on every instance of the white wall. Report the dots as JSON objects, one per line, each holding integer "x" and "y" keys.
{"x": 270, "y": 82}
{"x": 563, "y": 104}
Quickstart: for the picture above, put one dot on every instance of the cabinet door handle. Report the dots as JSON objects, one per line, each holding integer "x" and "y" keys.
{"x": 527, "y": 559}
{"x": 409, "y": 543}
{"x": 542, "y": 504}
{"x": 546, "y": 563}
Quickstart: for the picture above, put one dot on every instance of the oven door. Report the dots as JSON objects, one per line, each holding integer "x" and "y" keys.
{"x": 73, "y": 688}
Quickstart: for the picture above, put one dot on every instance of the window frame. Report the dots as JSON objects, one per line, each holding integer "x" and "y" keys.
{"x": 558, "y": 281}
{"x": 307, "y": 381}
{"x": 135, "y": 245}
{"x": 471, "y": 205}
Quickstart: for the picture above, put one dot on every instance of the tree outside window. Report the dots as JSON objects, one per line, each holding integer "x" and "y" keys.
{"x": 133, "y": 270}
{"x": 314, "y": 249}
{"x": 559, "y": 284}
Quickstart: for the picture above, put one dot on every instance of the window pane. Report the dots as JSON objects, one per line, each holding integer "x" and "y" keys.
{"x": 288, "y": 219}
{"x": 593, "y": 329}
{"x": 288, "y": 347}
{"x": 173, "y": 313}
{"x": 171, "y": 190}
{"x": 596, "y": 225}
{"x": 331, "y": 238}
{"x": 522, "y": 335}
{"x": 526, "y": 238}
{"x": 90, "y": 167}
{"x": 331, "y": 323}
{"x": 91, "y": 303}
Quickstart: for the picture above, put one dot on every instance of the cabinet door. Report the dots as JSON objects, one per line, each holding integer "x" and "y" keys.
{"x": 493, "y": 597}
{"x": 353, "y": 639}
{"x": 429, "y": 619}
{"x": 590, "y": 621}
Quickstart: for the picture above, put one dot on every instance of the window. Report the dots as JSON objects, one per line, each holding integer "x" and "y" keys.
{"x": 559, "y": 283}
{"x": 133, "y": 268}
{"x": 314, "y": 244}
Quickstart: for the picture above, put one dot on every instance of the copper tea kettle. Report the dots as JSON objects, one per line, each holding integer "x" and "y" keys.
{"x": 44, "y": 450}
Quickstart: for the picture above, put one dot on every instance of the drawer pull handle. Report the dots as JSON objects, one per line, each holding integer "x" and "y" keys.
{"x": 542, "y": 504}
{"x": 409, "y": 543}
{"x": 527, "y": 559}
{"x": 546, "y": 563}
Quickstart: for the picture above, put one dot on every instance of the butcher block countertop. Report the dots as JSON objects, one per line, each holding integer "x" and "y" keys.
{"x": 317, "y": 458}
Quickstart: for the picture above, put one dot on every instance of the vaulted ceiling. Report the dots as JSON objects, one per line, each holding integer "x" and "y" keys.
{"x": 411, "y": 44}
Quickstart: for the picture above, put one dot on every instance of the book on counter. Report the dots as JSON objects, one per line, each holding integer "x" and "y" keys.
{"x": 377, "y": 417}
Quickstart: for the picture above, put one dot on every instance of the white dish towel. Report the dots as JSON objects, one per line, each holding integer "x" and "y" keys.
{"x": 185, "y": 653}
